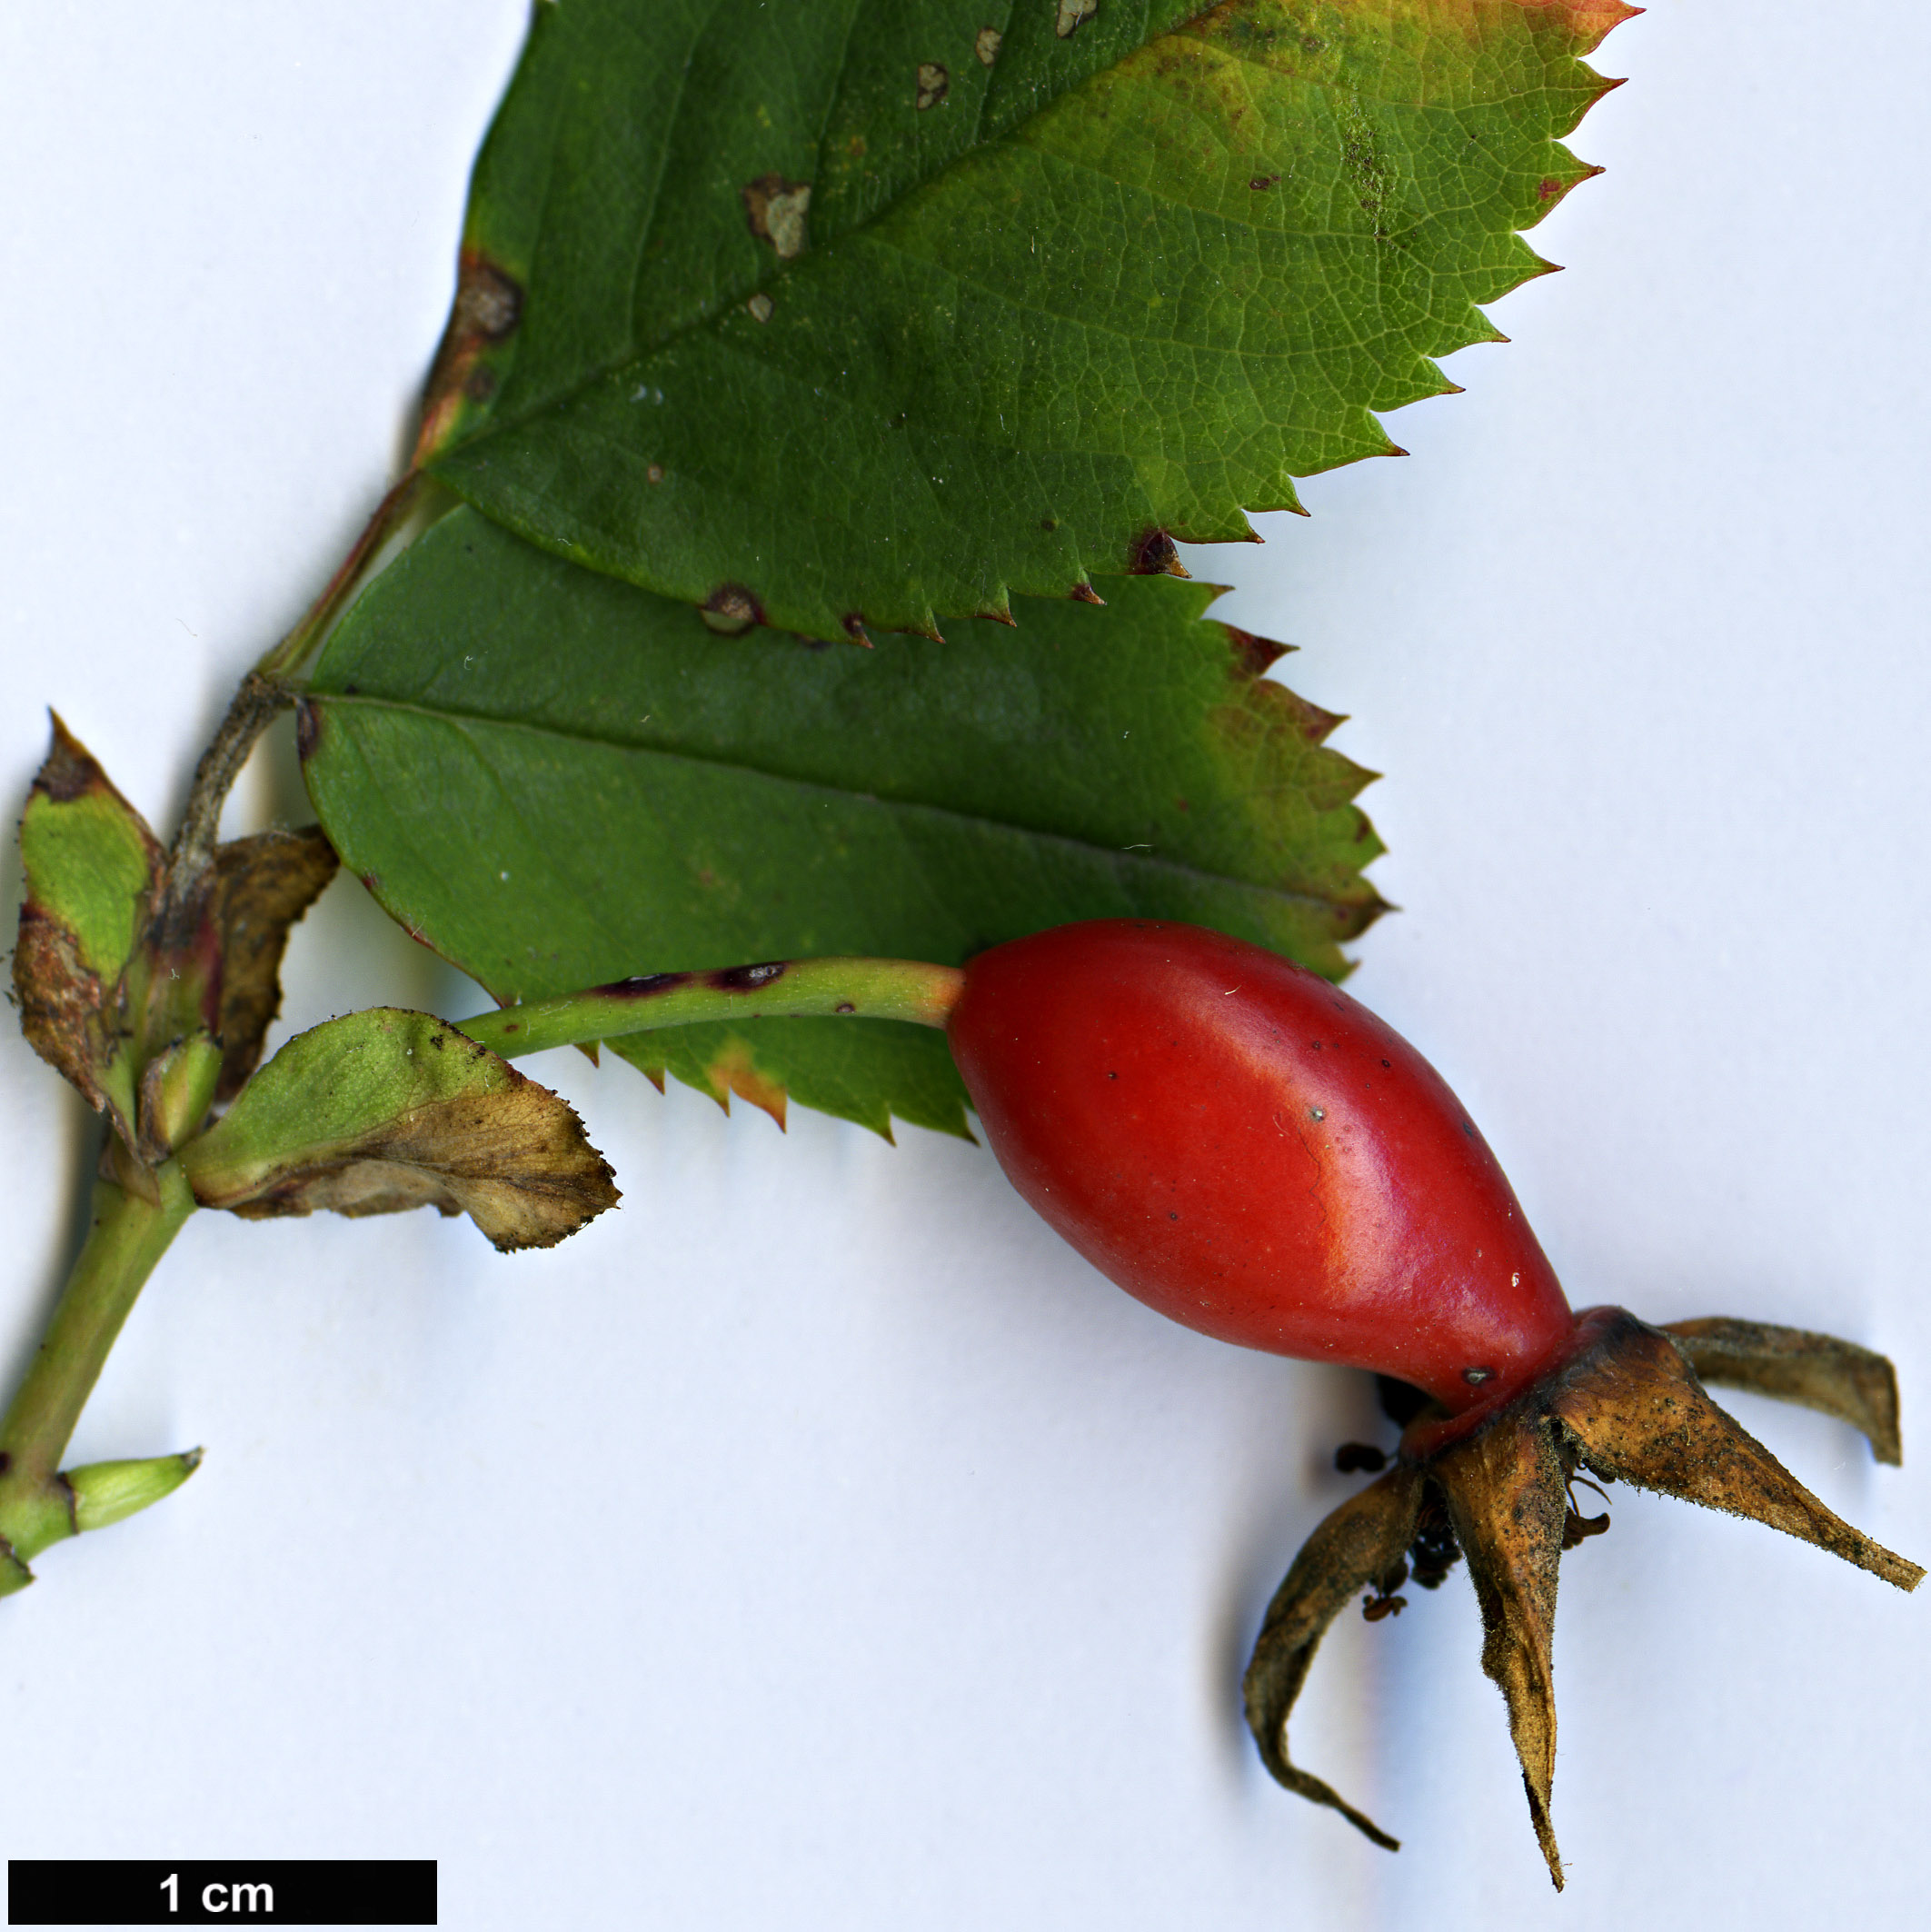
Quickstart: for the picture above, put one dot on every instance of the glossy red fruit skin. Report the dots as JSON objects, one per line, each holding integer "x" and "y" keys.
{"x": 1246, "y": 1149}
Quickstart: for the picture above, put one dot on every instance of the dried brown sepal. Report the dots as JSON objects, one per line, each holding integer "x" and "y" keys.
{"x": 1622, "y": 1401}
{"x": 1636, "y": 1412}
{"x": 1855, "y": 1385}
{"x": 1358, "y": 1545}
{"x": 265, "y": 885}
{"x": 1508, "y": 1498}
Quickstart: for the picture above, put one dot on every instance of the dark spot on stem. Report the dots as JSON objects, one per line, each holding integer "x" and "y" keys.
{"x": 747, "y": 979}
{"x": 308, "y": 730}
{"x": 644, "y": 986}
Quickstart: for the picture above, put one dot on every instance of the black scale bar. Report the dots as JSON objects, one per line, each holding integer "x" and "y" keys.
{"x": 221, "y": 1892}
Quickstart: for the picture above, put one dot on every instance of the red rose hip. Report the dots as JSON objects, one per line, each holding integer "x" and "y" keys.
{"x": 1243, "y": 1147}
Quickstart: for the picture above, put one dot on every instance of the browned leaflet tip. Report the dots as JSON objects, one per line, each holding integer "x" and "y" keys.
{"x": 1155, "y": 554}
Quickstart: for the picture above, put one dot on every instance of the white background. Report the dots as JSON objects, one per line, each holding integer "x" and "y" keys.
{"x": 816, "y": 1542}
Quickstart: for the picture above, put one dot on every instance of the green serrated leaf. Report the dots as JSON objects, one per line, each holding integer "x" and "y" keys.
{"x": 91, "y": 867}
{"x": 843, "y": 313}
{"x": 89, "y": 858}
{"x": 636, "y": 794}
{"x": 384, "y": 1111}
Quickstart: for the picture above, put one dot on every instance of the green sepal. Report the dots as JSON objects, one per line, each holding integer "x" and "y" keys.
{"x": 110, "y": 1492}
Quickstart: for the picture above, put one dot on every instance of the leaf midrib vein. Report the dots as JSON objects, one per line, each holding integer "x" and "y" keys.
{"x": 466, "y": 723}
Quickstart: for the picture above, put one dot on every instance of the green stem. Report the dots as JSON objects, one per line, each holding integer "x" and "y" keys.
{"x": 906, "y": 989}
{"x": 128, "y": 1237}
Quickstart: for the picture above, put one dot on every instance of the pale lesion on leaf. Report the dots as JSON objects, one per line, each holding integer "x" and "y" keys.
{"x": 468, "y": 368}
{"x": 776, "y": 209}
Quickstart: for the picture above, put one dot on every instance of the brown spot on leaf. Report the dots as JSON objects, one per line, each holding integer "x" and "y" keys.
{"x": 1073, "y": 14}
{"x": 986, "y": 45}
{"x": 1155, "y": 554}
{"x": 854, "y": 628}
{"x": 1083, "y": 592}
{"x": 934, "y": 82}
{"x": 761, "y": 306}
{"x": 1260, "y": 182}
{"x": 488, "y": 307}
{"x": 654, "y": 474}
{"x": 70, "y": 1019}
{"x": 776, "y": 210}
{"x": 731, "y": 610}
{"x": 308, "y": 729}
{"x": 264, "y": 884}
